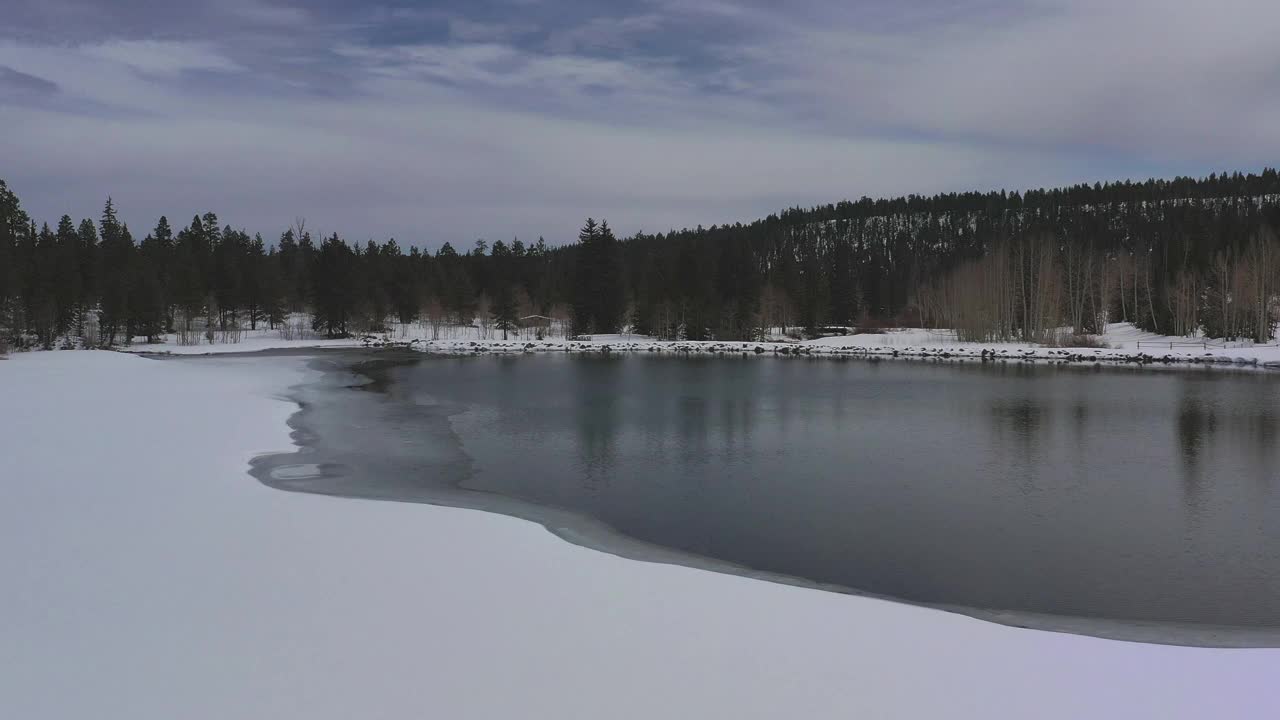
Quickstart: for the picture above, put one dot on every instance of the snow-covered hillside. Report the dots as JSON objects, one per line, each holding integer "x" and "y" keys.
{"x": 146, "y": 575}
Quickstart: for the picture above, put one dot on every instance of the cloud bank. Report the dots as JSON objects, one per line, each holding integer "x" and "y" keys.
{"x": 502, "y": 118}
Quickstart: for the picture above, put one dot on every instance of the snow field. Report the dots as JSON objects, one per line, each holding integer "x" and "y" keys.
{"x": 148, "y": 576}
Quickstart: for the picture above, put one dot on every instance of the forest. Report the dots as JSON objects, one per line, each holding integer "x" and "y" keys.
{"x": 1183, "y": 256}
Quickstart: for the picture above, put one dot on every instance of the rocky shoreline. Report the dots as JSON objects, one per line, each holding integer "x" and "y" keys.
{"x": 977, "y": 353}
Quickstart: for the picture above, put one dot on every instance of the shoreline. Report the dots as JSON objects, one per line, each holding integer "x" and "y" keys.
{"x": 976, "y": 352}
{"x": 712, "y": 348}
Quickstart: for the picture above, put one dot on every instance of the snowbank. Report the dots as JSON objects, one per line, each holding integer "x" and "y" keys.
{"x": 1125, "y": 344}
{"x": 908, "y": 343}
{"x": 251, "y": 341}
{"x": 147, "y": 576}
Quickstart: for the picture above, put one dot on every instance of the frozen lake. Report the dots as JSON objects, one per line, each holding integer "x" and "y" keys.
{"x": 1113, "y": 501}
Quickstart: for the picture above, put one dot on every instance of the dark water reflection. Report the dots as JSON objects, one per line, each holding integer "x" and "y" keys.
{"x": 1097, "y": 493}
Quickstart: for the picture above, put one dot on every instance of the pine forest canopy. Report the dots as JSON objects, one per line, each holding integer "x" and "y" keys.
{"x": 1172, "y": 256}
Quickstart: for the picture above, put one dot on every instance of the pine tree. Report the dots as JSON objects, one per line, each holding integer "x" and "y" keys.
{"x": 305, "y": 264}
{"x": 273, "y": 289}
{"x": 402, "y": 280}
{"x": 288, "y": 260}
{"x": 229, "y": 273}
{"x": 147, "y": 311}
{"x": 504, "y": 311}
{"x": 374, "y": 281}
{"x": 334, "y": 290}
{"x": 160, "y": 254}
{"x": 69, "y": 283}
{"x": 457, "y": 292}
{"x": 187, "y": 290}
{"x": 117, "y": 250}
{"x": 11, "y": 218}
{"x": 41, "y": 300}
{"x": 584, "y": 281}
{"x": 90, "y": 266}
{"x": 253, "y": 281}
{"x": 609, "y": 300}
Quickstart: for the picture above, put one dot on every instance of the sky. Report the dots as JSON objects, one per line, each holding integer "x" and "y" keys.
{"x": 466, "y": 119}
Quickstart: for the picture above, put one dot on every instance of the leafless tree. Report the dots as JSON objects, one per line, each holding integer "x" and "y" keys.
{"x": 1260, "y": 265}
{"x": 1079, "y": 264}
{"x": 1184, "y": 303}
{"x": 1035, "y": 279}
{"x": 435, "y": 315}
{"x": 483, "y": 319}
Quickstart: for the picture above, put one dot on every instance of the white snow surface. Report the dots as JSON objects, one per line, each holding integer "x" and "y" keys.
{"x": 252, "y": 341}
{"x": 146, "y": 575}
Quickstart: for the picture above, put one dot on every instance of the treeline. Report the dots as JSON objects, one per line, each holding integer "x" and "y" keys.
{"x": 93, "y": 284}
{"x": 1169, "y": 256}
{"x": 1172, "y": 256}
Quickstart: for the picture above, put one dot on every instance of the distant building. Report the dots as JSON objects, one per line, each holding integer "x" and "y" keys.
{"x": 535, "y": 321}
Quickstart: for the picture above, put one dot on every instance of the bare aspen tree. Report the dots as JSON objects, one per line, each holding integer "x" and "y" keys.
{"x": 1184, "y": 303}
{"x": 436, "y": 315}
{"x": 1260, "y": 267}
{"x": 1121, "y": 267}
{"x": 483, "y": 320}
{"x": 1078, "y": 273}
{"x": 1102, "y": 303}
{"x": 1036, "y": 284}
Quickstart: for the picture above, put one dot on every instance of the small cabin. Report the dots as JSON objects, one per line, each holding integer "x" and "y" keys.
{"x": 535, "y": 321}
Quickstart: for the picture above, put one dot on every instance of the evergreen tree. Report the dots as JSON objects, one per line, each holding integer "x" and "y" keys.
{"x": 68, "y": 282}
{"x": 458, "y": 293}
{"x": 41, "y": 292}
{"x": 10, "y": 219}
{"x": 273, "y": 287}
{"x": 334, "y": 292}
{"x": 148, "y": 315}
{"x": 402, "y": 280}
{"x": 229, "y": 273}
{"x": 504, "y": 311}
{"x": 598, "y": 292}
{"x": 584, "y": 283}
{"x": 160, "y": 255}
{"x": 117, "y": 250}
{"x": 253, "y": 281}
{"x": 306, "y": 261}
{"x": 90, "y": 266}
{"x": 374, "y": 284}
{"x": 609, "y": 299}
{"x": 187, "y": 290}
{"x": 288, "y": 260}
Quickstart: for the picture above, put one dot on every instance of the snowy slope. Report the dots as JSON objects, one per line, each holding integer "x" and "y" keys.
{"x": 147, "y": 576}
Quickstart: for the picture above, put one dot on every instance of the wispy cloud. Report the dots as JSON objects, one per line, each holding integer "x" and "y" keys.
{"x": 15, "y": 84}
{"x": 160, "y": 57}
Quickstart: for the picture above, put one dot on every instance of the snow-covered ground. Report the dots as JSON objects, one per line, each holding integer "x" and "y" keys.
{"x": 250, "y": 341}
{"x": 1118, "y": 336}
{"x": 146, "y": 575}
{"x": 1124, "y": 343}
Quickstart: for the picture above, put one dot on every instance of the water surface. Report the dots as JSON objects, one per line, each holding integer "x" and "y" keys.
{"x": 1115, "y": 501}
